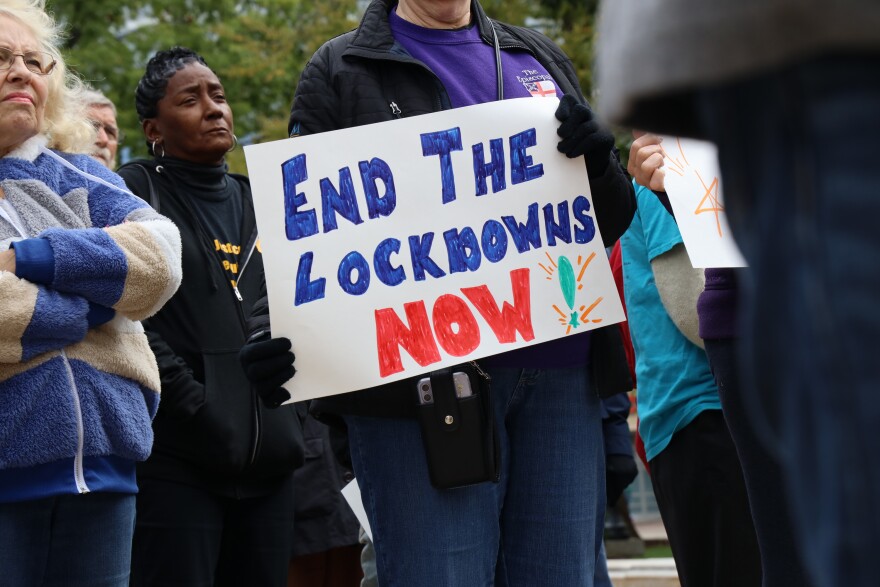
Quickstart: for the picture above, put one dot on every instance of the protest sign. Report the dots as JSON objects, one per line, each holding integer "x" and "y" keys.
{"x": 693, "y": 184}
{"x": 397, "y": 248}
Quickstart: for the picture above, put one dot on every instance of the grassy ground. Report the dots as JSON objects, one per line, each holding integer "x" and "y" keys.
{"x": 658, "y": 551}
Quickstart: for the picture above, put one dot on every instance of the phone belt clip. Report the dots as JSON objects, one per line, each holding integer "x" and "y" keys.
{"x": 445, "y": 399}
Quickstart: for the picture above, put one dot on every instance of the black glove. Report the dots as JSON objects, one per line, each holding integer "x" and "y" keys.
{"x": 620, "y": 471}
{"x": 268, "y": 363}
{"x": 582, "y": 136}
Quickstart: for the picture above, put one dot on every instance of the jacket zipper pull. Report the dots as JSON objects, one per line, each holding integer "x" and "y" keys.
{"x": 237, "y": 293}
{"x": 395, "y": 110}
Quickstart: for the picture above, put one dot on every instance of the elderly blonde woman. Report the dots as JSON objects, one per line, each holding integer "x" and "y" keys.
{"x": 81, "y": 261}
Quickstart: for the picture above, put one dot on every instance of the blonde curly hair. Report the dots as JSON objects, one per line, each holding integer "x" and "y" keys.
{"x": 64, "y": 121}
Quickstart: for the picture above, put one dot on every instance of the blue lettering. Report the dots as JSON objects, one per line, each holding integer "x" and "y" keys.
{"x": 525, "y": 234}
{"x": 352, "y": 262}
{"x": 420, "y": 251}
{"x": 494, "y": 240}
{"x": 581, "y": 206}
{"x": 297, "y": 224}
{"x": 521, "y": 168}
{"x": 495, "y": 167}
{"x": 343, "y": 201}
{"x": 561, "y": 230}
{"x": 386, "y": 273}
{"x": 377, "y": 205}
{"x": 463, "y": 250}
{"x": 443, "y": 143}
{"x": 306, "y": 289}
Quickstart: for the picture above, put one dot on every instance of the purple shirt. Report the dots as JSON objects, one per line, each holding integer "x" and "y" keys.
{"x": 717, "y": 305}
{"x": 466, "y": 67}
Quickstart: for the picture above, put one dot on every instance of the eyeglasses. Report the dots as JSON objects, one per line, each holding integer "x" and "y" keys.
{"x": 113, "y": 133}
{"x": 37, "y": 61}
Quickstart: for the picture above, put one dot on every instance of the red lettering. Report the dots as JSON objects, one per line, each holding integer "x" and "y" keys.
{"x": 451, "y": 310}
{"x": 415, "y": 338}
{"x": 508, "y": 320}
{"x": 455, "y": 326}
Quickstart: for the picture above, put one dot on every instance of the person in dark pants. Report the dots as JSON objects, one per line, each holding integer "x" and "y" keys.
{"x": 718, "y": 327}
{"x": 695, "y": 470}
{"x": 768, "y": 498}
{"x": 789, "y": 92}
{"x": 216, "y": 496}
{"x": 326, "y": 551}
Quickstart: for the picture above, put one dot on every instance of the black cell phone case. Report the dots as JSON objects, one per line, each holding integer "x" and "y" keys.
{"x": 461, "y": 442}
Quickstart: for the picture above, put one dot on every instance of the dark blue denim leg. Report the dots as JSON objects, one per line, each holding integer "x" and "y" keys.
{"x": 67, "y": 541}
{"x": 538, "y": 526}
{"x": 91, "y": 541}
{"x": 25, "y": 536}
{"x": 554, "y": 506}
{"x": 802, "y": 186}
{"x": 422, "y": 536}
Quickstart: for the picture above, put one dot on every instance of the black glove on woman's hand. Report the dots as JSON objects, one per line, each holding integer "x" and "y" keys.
{"x": 582, "y": 136}
{"x": 268, "y": 364}
{"x": 620, "y": 471}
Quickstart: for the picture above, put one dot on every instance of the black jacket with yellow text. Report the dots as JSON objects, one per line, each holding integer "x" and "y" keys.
{"x": 211, "y": 429}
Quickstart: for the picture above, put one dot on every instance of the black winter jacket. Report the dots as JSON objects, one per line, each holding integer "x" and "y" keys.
{"x": 211, "y": 429}
{"x": 363, "y": 77}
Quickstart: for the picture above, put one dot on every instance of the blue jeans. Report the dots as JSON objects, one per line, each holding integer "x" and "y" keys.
{"x": 602, "y": 578}
{"x": 67, "y": 541}
{"x": 540, "y": 525}
{"x": 797, "y": 149}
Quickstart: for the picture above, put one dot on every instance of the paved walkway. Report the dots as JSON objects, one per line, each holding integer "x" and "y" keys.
{"x": 651, "y": 530}
{"x": 643, "y": 572}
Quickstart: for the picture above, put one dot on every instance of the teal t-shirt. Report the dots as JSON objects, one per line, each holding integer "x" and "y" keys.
{"x": 675, "y": 382}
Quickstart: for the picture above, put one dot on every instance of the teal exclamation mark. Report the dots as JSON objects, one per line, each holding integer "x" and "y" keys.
{"x": 568, "y": 283}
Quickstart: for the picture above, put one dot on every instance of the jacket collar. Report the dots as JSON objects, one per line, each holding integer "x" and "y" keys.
{"x": 30, "y": 149}
{"x": 374, "y": 32}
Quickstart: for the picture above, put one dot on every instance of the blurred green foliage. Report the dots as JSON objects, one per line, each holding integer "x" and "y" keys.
{"x": 258, "y": 48}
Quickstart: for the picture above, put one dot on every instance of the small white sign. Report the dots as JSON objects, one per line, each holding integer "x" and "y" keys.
{"x": 693, "y": 184}
{"x": 352, "y": 494}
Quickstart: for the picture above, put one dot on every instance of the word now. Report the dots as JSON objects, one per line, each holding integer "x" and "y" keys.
{"x": 341, "y": 199}
{"x": 452, "y": 325}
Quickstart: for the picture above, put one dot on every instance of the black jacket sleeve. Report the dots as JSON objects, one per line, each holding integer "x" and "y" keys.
{"x": 315, "y": 102}
{"x": 182, "y": 395}
{"x": 615, "y": 200}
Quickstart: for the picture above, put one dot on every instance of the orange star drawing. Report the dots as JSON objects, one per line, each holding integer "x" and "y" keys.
{"x": 710, "y": 199}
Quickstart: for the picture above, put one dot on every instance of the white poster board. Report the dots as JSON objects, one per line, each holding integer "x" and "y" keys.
{"x": 693, "y": 184}
{"x": 398, "y": 248}
{"x": 352, "y": 494}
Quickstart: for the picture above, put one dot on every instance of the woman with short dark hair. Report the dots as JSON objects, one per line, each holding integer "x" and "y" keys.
{"x": 216, "y": 500}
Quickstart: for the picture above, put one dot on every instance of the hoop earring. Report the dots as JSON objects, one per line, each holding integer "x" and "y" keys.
{"x": 234, "y": 144}
{"x": 153, "y": 147}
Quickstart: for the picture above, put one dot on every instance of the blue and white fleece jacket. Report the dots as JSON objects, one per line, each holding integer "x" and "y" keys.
{"x": 79, "y": 384}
